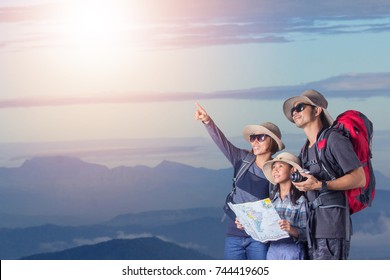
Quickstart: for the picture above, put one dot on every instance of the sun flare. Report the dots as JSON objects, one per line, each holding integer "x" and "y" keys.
{"x": 94, "y": 24}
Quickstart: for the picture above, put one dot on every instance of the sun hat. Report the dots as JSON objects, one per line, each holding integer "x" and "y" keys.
{"x": 268, "y": 128}
{"x": 312, "y": 97}
{"x": 284, "y": 157}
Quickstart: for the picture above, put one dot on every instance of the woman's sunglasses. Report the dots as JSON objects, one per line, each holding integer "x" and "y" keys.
{"x": 258, "y": 137}
{"x": 300, "y": 107}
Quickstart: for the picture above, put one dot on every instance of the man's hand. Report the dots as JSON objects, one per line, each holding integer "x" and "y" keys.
{"x": 310, "y": 184}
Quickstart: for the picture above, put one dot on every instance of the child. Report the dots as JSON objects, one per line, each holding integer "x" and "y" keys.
{"x": 291, "y": 205}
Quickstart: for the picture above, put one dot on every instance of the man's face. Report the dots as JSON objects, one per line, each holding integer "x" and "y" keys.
{"x": 302, "y": 114}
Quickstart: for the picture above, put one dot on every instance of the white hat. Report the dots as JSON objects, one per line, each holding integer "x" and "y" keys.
{"x": 284, "y": 157}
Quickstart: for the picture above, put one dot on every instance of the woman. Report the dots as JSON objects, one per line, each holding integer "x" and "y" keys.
{"x": 265, "y": 140}
{"x": 291, "y": 205}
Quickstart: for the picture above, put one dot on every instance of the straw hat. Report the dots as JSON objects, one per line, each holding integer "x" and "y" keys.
{"x": 268, "y": 128}
{"x": 312, "y": 97}
{"x": 284, "y": 157}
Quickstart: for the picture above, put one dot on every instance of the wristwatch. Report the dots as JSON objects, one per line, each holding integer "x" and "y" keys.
{"x": 324, "y": 186}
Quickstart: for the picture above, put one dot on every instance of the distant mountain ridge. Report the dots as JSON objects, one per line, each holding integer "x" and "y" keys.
{"x": 55, "y": 189}
{"x": 164, "y": 217}
{"x": 150, "y": 248}
{"x": 50, "y": 185}
{"x": 199, "y": 228}
{"x": 174, "y": 201}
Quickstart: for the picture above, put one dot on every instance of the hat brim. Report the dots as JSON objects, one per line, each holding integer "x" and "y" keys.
{"x": 258, "y": 129}
{"x": 267, "y": 168}
{"x": 289, "y": 104}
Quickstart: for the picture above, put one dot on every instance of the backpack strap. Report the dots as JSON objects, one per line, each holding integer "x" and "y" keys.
{"x": 320, "y": 148}
{"x": 245, "y": 164}
{"x": 330, "y": 198}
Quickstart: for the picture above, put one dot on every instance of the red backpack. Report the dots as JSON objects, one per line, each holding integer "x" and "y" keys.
{"x": 359, "y": 129}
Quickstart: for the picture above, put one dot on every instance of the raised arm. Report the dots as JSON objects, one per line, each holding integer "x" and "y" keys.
{"x": 231, "y": 152}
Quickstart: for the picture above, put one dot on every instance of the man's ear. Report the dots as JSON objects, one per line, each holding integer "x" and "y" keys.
{"x": 318, "y": 111}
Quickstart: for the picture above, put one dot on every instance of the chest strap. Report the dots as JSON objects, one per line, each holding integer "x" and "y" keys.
{"x": 329, "y": 199}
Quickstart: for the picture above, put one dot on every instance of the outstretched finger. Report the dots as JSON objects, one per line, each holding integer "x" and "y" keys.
{"x": 200, "y": 108}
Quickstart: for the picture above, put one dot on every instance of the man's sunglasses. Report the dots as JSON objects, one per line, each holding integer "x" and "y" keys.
{"x": 300, "y": 107}
{"x": 258, "y": 137}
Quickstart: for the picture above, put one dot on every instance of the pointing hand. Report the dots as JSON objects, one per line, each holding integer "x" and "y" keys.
{"x": 201, "y": 114}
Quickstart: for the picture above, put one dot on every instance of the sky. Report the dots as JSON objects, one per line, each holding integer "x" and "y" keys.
{"x": 115, "y": 82}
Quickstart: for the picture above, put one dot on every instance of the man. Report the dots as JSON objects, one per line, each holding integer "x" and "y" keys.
{"x": 329, "y": 224}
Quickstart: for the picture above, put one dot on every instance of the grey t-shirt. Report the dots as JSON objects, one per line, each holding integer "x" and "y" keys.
{"x": 331, "y": 222}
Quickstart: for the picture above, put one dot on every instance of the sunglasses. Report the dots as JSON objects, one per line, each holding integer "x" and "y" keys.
{"x": 258, "y": 137}
{"x": 300, "y": 107}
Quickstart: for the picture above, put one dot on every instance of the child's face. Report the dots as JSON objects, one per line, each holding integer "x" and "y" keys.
{"x": 281, "y": 172}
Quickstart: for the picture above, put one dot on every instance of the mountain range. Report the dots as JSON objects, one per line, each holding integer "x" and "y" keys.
{"x": 148, "y": 248}
{"x": 47, "y": 187}
{"x": 176, "y": 204}
{"x": 198, "y": 229}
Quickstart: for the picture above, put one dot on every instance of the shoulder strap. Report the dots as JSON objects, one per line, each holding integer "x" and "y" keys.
{"x": 321, "y": 145}
{"x": 246, "y": 162}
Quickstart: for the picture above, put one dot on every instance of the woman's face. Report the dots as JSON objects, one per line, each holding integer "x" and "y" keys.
{"x": 281, "y": 172}
{"x": 261, "y": 145}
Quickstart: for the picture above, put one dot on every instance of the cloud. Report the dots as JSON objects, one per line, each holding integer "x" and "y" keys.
{"x": 53, "y": 246}
{"x": 123, "y": 235}
{"x": 375, "y": 82}
{"x": 83, "y": 241}
{"x": 378, "y": 239}
{"x": 62, "y": 245}
{"x": 33, "y": 13}
{"x": 119, "y": 235}
{"x": 189, "y": 245}
{"x": 182, "y": 24}
{"x": 355, "y": 85}
{"x": 155, "y": 148}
